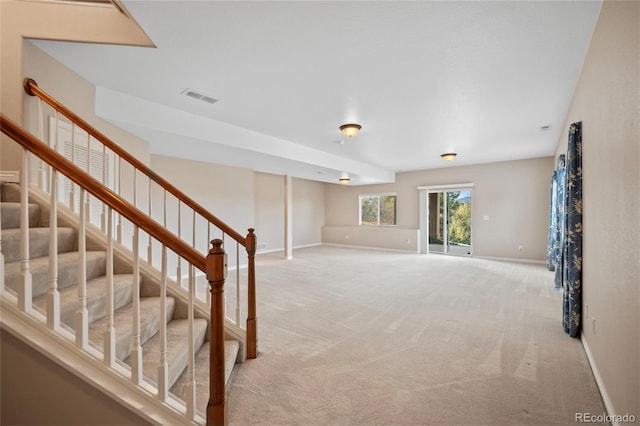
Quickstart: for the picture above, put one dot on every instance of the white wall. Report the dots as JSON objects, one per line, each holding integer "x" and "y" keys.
{"x": 54, "y": 21}
{"x": 513, "y": 194}
{"x": 225, "y": 191}
{"x": 606, "y": 100}
{"x": 307, "y": 206}
{"x": 308, "y": 212}
{"x": 268, "y": 203}
{"x": 37, "y": 391}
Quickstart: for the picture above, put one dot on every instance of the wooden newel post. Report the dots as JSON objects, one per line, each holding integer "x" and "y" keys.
{"x": 252, "y": 321}
{"x": 216, "y": 274}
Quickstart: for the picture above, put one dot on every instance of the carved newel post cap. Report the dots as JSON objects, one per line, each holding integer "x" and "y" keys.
{"x": 216, "y": 246}
{"x": 216, "y": 263}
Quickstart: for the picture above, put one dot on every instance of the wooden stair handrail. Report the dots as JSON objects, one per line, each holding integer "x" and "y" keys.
{"x": 31, "y": 87}
{"x": 110, "y": 198}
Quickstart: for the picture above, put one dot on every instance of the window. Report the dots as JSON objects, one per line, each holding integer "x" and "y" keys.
{"x": 378, "y": 209}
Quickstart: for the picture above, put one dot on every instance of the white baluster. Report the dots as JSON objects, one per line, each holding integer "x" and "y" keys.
{"x": 193, "y": 230}
{"x": 117, "y": 166}
{"x": 135, "y": 189}
{"x": 149, "y": 253}
{"x": 193, "y": 236}
{"x": 88, "y": 210}
{"x": 237, "y": 283}
{"x": 72, "y": 193}
{"x": 163, "y": 368}
{"x": 136, "y": 353}
{"x": 41, "y": 173}
{"x": 191, "y": 379}
{"x": 207, "y": 292}
{"x": 103, "y": 181}
{"x": 24, "y": 292}
{"x": 224, "y": 297}
{"x": 179, "y": 268}
{"x": 110, "y": 332}
{"x": 53, "y": 297}
{"x": 82, "y": 315}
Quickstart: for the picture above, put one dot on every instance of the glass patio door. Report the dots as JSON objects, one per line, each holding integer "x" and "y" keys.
{"x": 449, "y": 221}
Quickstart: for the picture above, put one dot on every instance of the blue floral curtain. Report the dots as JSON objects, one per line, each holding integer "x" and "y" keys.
{"x": 572, "y": 244}
{"x": 556, "y": 221}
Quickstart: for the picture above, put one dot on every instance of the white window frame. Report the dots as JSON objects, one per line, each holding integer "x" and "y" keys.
{"x": 380, "y": 194}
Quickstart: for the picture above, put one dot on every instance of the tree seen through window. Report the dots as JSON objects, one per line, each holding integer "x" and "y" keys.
{"x": 378, "y": 210}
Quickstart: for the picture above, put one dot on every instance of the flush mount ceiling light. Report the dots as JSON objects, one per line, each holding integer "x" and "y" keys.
{"x": 350, "y": 130}
{"x": 344, "y": 179}
{"x": 448, "y": 156}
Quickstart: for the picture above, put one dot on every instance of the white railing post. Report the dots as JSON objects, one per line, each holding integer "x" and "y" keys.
{"x": 136, "y": 353}
{"x": 163, "y": 368}
{"x": 82, "y": 315}
{"x": 110, "y": 332}
{"x": 53, "y": 297}
{"x": 25, "y": 290}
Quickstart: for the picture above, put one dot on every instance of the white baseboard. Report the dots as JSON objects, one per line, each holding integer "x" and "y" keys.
{"x": 608, "y": 405}
{"x": 512, "y": 259}
{"x": 282, "y": 249}
{"x": 10, "y": 176}
{"x": 370, "y": 248}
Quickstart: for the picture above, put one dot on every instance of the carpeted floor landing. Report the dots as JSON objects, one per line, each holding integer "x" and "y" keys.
{"x": 359, "y": 337}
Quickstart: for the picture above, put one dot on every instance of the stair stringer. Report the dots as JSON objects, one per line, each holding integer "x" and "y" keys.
{"x": 59, "y": 346}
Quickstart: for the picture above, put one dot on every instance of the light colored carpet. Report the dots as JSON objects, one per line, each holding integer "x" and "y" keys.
{"x": 358, "y": 337}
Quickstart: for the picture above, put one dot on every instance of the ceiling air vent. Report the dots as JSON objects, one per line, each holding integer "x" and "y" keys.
{"x": 195, "y": 95}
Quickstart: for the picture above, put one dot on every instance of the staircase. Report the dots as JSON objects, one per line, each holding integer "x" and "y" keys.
{"x": 113, "y": 316}
{"x": 175, "y": 317}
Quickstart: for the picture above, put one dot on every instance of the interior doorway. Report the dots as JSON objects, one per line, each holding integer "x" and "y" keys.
{"x": 445, "y": 223}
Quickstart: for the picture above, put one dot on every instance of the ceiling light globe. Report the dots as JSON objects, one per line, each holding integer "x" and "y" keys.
{"x": 350, "y": 130}
{"x": 448, "y": 156}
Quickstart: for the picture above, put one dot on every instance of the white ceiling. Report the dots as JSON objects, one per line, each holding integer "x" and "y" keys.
{"x": 421, "y": 77}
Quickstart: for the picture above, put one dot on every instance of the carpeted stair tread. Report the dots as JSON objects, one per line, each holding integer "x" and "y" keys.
{"x": 123, "y": 324}
{"x": 96, "y": 298}
{"x": 177, "y": 351}
{"x": 10, "y": 192}
{"x": 38, "y": 242}
{"x": 201, "y": 373}
{"x": 11, "y": 215}
{"x": 67, "y": 271}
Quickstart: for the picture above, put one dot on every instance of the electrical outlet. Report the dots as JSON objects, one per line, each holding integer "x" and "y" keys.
{"x": 520, "y": 247}
{"x": 346, "y": 237}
